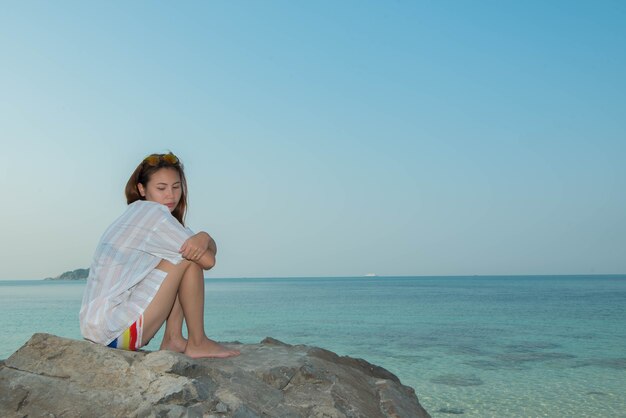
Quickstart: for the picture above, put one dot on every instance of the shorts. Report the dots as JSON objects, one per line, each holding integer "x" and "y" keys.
{"x": 131, "y": 338}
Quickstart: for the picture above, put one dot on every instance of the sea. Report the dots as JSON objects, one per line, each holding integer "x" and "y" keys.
{"x": 479, "y": 346}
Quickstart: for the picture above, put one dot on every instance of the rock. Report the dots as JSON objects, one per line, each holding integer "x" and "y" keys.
{"x": 54, "y": 376}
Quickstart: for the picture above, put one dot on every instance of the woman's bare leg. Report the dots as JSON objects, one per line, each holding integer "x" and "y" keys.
{"x": 173, "y": 339}
{"x": 191, "y": 294}
{"x": 185, "y": 282}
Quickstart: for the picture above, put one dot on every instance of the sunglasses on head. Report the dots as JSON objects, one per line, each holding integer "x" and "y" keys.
{"x": 155, "y": 159}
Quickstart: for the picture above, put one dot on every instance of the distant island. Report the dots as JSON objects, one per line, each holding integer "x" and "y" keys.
{"x": 78, "y": 274}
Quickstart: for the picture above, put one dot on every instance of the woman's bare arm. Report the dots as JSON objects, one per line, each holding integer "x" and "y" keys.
{"x": 201, "y": 249}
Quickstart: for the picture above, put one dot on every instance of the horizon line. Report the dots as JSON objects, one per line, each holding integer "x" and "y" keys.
{"x": 366, "y": 276}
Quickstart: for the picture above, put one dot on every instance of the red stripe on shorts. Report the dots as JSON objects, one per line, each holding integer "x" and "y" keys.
{"x": 132, "y": 344}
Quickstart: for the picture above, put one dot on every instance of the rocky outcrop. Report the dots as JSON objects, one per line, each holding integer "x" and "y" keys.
{"x": 58, "y": 377}
{"x": 78, "y": 274}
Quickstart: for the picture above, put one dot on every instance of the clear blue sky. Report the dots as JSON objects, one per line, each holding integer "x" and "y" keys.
{"x": 323, "y": 138}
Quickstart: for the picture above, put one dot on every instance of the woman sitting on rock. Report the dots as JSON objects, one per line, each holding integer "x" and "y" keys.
{"x": 148, "y": 269}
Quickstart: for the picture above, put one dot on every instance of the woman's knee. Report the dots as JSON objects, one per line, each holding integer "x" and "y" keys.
{"x": 194, "y": 269}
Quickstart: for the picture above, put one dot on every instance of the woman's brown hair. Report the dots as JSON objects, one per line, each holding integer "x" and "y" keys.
{"x": 144, "y": 171}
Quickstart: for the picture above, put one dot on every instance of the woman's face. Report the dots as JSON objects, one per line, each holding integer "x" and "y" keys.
{"x": 164, "y": 187}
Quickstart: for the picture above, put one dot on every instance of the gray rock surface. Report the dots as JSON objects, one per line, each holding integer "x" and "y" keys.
{"x": 57, "y": 377}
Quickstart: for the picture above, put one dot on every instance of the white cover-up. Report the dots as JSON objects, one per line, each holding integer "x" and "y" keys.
{"x": 122, "y": 278}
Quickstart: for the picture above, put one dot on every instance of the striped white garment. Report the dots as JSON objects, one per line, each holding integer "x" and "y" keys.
{"x": 122, "y": 278}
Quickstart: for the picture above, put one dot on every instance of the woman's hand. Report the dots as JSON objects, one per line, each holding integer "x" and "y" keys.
{"x": 200, "y": 248}
{"x": 195, "y": 246}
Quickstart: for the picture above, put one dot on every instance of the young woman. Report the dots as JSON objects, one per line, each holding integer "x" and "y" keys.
{"x": 148, "y": 269}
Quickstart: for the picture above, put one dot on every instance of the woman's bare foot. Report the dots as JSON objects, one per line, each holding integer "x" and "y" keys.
{"x": 209, "y": 348}
{"x": 177, "y": 345}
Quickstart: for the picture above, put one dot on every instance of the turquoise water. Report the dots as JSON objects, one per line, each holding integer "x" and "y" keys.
{"x": 551, "y": 346}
